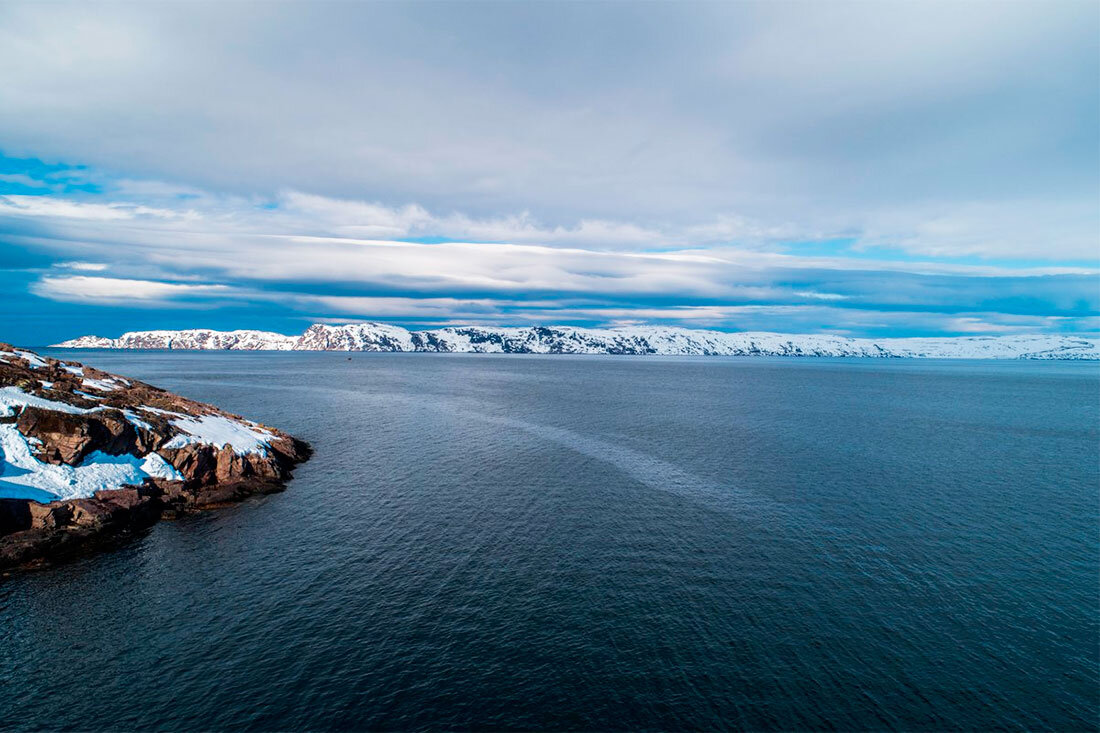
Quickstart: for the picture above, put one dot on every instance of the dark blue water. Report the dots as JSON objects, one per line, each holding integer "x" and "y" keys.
{"x": 600, "y": 543}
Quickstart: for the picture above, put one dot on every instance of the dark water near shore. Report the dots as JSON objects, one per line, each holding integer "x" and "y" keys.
{"x": 600, "y": 543}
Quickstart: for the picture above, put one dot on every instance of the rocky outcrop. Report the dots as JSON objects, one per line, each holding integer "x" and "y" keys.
{"x": 88, "y": 458}
{"x": 67, "y": 438}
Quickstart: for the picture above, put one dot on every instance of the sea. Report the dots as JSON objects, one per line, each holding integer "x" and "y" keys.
{"x": 499, "y": 542}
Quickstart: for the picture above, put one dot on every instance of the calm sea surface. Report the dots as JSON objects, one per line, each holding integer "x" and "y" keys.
{"x": 600, "y": 543}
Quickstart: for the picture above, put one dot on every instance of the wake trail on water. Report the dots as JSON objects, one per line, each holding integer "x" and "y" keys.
{"x": 798, "y": 524}
{"x": 652, "y": 472}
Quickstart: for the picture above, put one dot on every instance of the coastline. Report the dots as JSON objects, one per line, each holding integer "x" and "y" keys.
{"x": 91, "y": 458}
{"x": 632, "y": 340}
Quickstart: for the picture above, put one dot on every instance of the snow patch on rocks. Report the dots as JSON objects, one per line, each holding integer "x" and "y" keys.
{"x": 22, "y": 476}
{"x": 100, "y": 385}
{"x": 136, "y": 421}
{"x": 220, "y": 431}
{"x": 36, "y": 361}
{"x": 13, "y": 397}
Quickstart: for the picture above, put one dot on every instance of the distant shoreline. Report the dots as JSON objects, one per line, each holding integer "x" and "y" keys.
{"x": 635, "y": 340}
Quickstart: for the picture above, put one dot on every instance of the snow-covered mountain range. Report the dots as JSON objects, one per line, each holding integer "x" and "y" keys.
{"x": 629, "y": 340}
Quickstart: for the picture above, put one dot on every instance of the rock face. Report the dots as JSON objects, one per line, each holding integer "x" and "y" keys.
{"x": 633, "y": 340}
{"x": 66, "y": 438}
{"x": 87, "y": 458}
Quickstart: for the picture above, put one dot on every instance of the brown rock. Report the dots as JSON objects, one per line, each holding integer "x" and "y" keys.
{"x": 49, "y": 516}
{"x": 89, "y": 512}
{"x": 231, "y": 466}
{"x": 198, "y": 463}
{"x": 67, "y": 438}
{"x": 127, "y": 499}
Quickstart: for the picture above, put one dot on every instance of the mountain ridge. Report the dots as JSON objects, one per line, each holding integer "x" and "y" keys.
{"x": 631, "y": 340}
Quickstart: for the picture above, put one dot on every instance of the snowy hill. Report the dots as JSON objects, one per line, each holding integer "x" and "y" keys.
{"x": 570, "y": 340}
{"x": 193, "y": 339}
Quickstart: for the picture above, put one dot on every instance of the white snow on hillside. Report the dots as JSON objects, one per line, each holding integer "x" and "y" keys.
{"x": 191, "y": 339}
{"x": 356, "y": 337}
{"x": 630, "y": 340}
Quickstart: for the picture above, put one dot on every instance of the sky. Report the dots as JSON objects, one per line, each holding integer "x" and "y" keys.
{"x": 863, "y": 169}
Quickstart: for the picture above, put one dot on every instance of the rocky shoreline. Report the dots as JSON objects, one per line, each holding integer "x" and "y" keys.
{"x": 89, "y": 458}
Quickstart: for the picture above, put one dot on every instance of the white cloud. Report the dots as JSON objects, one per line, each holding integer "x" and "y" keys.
{"x": 56, "y": 207}
{"x": 85, "y": 266}
{"x": 303, "y": 244}
{"x": 781, "y": 318}
{"x": 721, "y": 121}
{"x": 87, "y": 289}
{"x": 820, "y": 296}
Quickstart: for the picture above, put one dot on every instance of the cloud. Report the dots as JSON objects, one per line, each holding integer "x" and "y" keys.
{"x": 820, "y": 296}
{"x": 49, "y": 207}
{"x": 86, "y": 289}
{"x": 86, "y": 266}
{"x": 740, "y": 120}
{"x": 303, "y": 253}
{"x": 21, "y": 179}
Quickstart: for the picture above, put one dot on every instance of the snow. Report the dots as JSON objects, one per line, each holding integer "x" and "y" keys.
{"x": 88, "y": 395}
{"x": 35, "y": 360}
{"x": 190, "y": 339}
{"x": 220, "y": 431}
{"x": 101, "y": 385}
{"x": 136, "y": 421}
{"x": 89, "y": 342}
{"x": 22, "y": 476}
{"x": 355, "y": 337}
{"x": 217, "y": 430}
{"x": 158, "y": 411}
{"x": 154, "y": 465}
{"x": 12, "y": 397}
{"x": 625, "y": 340}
